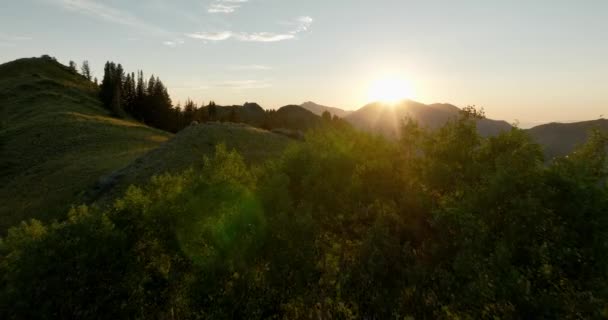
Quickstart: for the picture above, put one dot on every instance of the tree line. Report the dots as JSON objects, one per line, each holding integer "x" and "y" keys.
{"x": 147, "y": 100}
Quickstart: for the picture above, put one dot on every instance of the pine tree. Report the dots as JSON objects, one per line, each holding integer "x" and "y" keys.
{"x": 107, "y": 84}
{"x": 116, "y": 103}
{"x": 140, "y": 96}
{"x": 86, "y": 70}
{"x": 151, "y": 85}
{"x": 73, "y": 67}
{"x": 127, "y": 96}
{"x": 189, "y": 111}
{"x": 212, "y": 108}
{"x": 326, "y": 116}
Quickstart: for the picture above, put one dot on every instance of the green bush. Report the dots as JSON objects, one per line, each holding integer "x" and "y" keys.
{"x": 442, "y": 224}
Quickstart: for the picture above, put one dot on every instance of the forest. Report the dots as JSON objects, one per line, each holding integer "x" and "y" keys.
{"x": 130, "y": 95}
{"x": 439, "y": 223}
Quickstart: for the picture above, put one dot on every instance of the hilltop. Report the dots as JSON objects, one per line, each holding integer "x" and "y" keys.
{"x": 57, "y": 139}
{"x": 559, "y": 139}
{"x": 187, "y": 150}
{"x": 319, "y": 109}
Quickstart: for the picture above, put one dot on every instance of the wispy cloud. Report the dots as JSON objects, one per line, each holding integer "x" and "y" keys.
{"x": 210, "y": 36}
{"x": 243, "y": 36}
{"x": 264, "y": 37}
{"x": 225, "y": 6}
{"x": 110, "y": 14}
{"x": 299, "y": 25}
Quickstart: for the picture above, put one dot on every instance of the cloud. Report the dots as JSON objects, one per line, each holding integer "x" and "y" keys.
{"x": 210, "y": 36}
{"x": 109, "y": 14}
{"x": 225, "y": 6}
{"x": 302, "y": 24}
{"x": 299, "y": 25}
{"x": 264, "y": 37}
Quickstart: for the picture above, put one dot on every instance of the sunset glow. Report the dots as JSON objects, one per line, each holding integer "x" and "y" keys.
{"x": 390, "y": 90}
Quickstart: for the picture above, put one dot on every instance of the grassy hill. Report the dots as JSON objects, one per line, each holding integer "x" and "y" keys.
{"x": 559, "y": 139}
{"x": 57, "y": 139}
{"x": 187, "y": 149}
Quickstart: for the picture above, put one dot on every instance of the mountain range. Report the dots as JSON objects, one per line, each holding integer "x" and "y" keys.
{"x": 556, "y": 139}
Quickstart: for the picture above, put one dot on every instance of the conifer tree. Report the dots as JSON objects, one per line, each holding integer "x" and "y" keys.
{"x": 86, "y": 70}
{"x": 212, "y": 108}
{"x": 107, "y": 85}
{"x": 73, "y": 67}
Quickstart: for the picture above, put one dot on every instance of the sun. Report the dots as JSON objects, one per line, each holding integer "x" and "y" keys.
{"x": 390, "y": 90}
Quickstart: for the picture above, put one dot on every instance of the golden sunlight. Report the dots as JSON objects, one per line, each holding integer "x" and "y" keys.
{"x": 390, "y": 90}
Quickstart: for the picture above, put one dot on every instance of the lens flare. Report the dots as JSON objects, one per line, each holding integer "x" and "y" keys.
{"x": 390, "y": 90}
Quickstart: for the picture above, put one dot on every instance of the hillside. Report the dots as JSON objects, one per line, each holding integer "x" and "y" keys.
{"x": 386, "y": 119}
{"x": 319, "y": 109}
{"x": 57, "y": 140}
{"x": 559, "y": 139}
{"x": 250, "y": 113}
{"x": 187, "y": 149}
{"x": 293, "y": 117}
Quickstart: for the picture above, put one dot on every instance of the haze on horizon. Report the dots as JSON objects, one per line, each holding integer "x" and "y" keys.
{"x": 535, "y": 61}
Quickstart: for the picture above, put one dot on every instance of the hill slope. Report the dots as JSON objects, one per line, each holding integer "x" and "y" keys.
{"x": 386, "y": 119}
{"x": 559, "y": 139}
{"x": 319, "y": 109}
{"x": 296, "y": 118}
{"x": 57, "y": 139}
{"x": 187, "y": 149}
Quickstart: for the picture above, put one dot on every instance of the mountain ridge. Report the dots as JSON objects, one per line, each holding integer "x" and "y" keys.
{"x": 319, "y": 109}
{"x": 386, "y": 118}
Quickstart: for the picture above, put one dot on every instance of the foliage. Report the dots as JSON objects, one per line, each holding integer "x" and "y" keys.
{"x": 442, "y": 224}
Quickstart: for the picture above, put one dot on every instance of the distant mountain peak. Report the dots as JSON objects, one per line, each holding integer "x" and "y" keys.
{"x": 385, "y": 118}
{"x": 319, "y": 109}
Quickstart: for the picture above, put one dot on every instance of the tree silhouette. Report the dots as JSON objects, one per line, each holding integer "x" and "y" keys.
{"x": 326, "y": 116}
{"x": 212, "y": 111}
{"x": 86, "y": 70}
{"x": 73, "y": 67}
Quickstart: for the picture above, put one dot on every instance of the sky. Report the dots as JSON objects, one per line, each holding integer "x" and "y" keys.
{"x": 526, "y": 61}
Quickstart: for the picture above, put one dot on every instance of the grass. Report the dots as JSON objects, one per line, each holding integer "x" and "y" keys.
{"x": 187, "y": 150}
{"x": 57, "y": 140}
